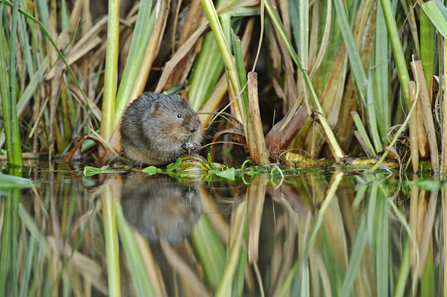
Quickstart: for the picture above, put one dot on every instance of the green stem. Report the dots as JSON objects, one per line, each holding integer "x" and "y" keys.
{"x": 108, "y": 101}
{"x": 398, "y": 52}
{"x": 9, "y": 105}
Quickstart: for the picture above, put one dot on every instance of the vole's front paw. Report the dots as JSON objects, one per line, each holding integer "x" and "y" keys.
{"x": 190, "y": 146}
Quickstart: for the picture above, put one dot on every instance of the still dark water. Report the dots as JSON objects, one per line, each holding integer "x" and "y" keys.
{"x": 311, "y": 233}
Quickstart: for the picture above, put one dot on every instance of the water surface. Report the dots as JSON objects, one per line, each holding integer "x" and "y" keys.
{"x": 313, "y": 233}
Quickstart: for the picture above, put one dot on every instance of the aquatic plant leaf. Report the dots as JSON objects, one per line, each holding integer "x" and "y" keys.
{"x": 227, "y": 173}
{"x": 89, "y": 170}
{"x": 8, "y": 182}
{"x": 437, "y": 14}
{"x": 151, "y": 170}
{"x": 428, "y": 185}
{"x": 171, "y": 167}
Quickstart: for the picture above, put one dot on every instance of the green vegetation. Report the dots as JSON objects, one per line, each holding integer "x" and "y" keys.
{"x": 343, "y": 65}
{"x": 328, "y": 78}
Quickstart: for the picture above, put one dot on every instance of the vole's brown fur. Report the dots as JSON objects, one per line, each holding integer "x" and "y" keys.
{"x": 156, "y": 128}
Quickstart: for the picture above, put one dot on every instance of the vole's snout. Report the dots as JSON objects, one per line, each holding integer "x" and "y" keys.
{"x": 193, "y": 129}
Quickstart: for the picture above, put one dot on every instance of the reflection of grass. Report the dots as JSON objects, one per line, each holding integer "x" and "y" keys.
{"x": 320, "y": 237}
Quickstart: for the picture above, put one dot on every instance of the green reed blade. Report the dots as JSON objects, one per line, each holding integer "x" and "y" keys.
{"x": 110, "y": 77}
{"x": 65, "y": 19}
{"x": 437, "y": 13}
{"x": 8, "y": 93}
{"x": 428, "y": 47}
{"x": 303, "y": 32}
{"x": 372, "y": 119}
{"x": 353, "y": 53}
{"x": 42, "y": 10}
{"x": 381, "y": 81}
{"x": 206, "y": 70}
{"x": 141, "y": 35}
{"x": 26, "y": 46}
{"x": 225, "y": 52}
{"x": 240, "y": 66}
{"x": 398, "y": 53}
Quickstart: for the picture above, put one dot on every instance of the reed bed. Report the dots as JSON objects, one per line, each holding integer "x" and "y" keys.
{"x": 343, "y": 77}
{"x": 314, "y": 78}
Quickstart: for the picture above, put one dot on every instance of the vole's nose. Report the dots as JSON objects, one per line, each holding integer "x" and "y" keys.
{"x": 193, "y": 129}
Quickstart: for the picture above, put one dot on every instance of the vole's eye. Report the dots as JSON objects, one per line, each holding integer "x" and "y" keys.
{"x": 179, "y": 116}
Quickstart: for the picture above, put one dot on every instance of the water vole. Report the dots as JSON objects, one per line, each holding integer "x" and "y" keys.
{"x": 156, "y": 128}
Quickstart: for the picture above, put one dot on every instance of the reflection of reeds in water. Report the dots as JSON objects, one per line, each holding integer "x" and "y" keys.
{"x": 312, "y": 235}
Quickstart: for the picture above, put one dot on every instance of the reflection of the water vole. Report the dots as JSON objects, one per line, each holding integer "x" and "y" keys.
{"x": 160, "y": 207}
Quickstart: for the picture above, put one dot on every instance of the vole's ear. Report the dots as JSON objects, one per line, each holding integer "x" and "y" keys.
{"x": 155, "y": 107}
